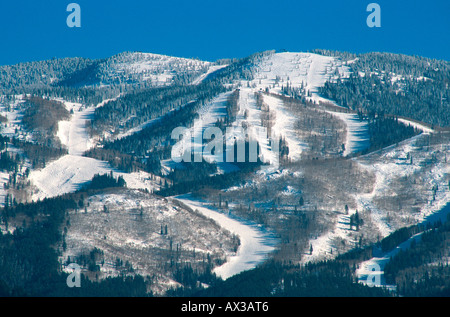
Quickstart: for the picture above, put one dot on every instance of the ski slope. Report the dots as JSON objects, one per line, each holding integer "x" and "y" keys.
{"x": 284, "y": 126}
{"x": 389, "y": 165}
{"x": 70, "y": 172}
{"x": 357, "y": 138}
{"x": 255, "y": 244}
{"x": 72, "y": 134}
{"x": 211, "y": 69}
{"x": 306, "y": 70}
{"x": 372, "y": 271}
{"x": 209, "y": 114}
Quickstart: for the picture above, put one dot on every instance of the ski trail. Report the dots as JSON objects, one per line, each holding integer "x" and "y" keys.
{"x": 255, "y": 244}
{"x": 71, "y": 171}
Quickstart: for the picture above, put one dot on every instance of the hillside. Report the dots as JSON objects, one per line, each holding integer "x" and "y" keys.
{"x": 186, "y": 173}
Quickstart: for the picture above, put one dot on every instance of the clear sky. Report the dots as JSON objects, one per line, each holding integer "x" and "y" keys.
{"x": 213, "y": 29}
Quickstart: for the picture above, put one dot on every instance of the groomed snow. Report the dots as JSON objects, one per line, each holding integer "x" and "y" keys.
{"x": 255, "y": 244}
{"x": 372, "y": 271}
{"x": 208, "y": 116}
{"x": 73, "y": 133}
{"x": 307, "y": 69}
{"x": 70, "y": 172}
{"x": 284, "y": 127}
{"x": 212, "y": 69}
{"x": 357, "y": 138}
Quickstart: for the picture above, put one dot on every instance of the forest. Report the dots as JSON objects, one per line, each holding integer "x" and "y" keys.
{"x": 140, "y": 107}
{"x": 29, "y": 261}
{"x": 41, "y": 118}
{"x": 422, "y": 269}
{"x": 273, "y": 279}
{"x": 382, "y": 88}
{"x": 386, "y": 131}
{"x": 399, "y": 85}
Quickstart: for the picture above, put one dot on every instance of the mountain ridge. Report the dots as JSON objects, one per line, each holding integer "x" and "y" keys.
{"x": 340, "y": 164}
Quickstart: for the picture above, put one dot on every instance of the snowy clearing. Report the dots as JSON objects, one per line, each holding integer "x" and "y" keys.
{"x": 255, "y": 245}
{"x": 70, "y": 172}
{"x": 357, "y": 138}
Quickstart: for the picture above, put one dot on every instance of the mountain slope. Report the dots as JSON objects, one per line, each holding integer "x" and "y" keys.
{"x": 336, "y": 169}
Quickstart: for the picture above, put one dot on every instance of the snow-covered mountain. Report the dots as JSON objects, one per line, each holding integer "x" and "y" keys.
{"x": 154, "y": 69}
{"x": 325, "y": 157}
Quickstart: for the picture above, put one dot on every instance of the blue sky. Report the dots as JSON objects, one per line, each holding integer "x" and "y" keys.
{"x": 211, "y": 29}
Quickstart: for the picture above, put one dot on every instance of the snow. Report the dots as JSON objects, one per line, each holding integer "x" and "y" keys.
{"x": 307, "y": 69}
{"x": 255, "y": 244}
{"x": 371, "y": 272}
{"x": 299, "y": 70}
{"x": 70, "y": 172}
{"x": 126, "y": 223}
{"x": 247, "y": 103}
{"x": 73, "y": 134}
{"x": 160, "y": 70}
{"x": 416, "y": 125}
{"x": 374, "y": 267}
{"x": 212, "y": 69}
{"x": 208, "y": 116}
{"x": 357, "y": 138}
{"x": 388, "y": 165}
{"x": 284, "y": 127}
{"x": 65, "y": 175}
{"x": 4, "y": 179}
{"x": 14, "y": 114}
{"x": 391, "y": 165}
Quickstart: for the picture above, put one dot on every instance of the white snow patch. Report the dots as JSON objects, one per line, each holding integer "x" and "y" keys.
{"x": 284, "y": 126}
{"x": 211, "y": 69}
{"x": 255, "y": 245}
{"x": 357, "y": 138}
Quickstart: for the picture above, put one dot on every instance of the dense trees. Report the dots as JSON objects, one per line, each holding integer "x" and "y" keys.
{"x": 105, "y": 181}
{"x": 140, "y": 107}
{"x": 179, "y": 106}
{"x": 41, "y": 117}
{"x": 422, "y": 269}
{"x": 400, "y": 85}
{"x": 332, "y": 278}
{"x": 38, "y": 154}
{"x": 385, "y": 131}
{"x": 24, "y": 77}
{"x": 28, "y": 258}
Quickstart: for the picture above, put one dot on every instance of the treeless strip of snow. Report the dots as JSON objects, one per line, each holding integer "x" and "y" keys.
{"x": 70, "y": 172}
{"x": 255, "y": 245}
{"x": 211, "y": 69}
{"x": 284, "y": 126}
{"x": 357, "y": 138}
{"x": 416, "y": 125}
